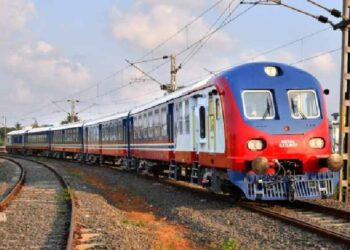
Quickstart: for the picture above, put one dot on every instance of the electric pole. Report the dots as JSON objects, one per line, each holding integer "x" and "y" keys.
{"x": 344, "y": 140}
{"x": 172, "y": 87}
{"x": 173, "y": 72}
{"x": 73, "y": 114}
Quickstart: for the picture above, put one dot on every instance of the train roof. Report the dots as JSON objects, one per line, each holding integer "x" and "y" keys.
{"x": 106, "y": 118}
{"x": 172, "y": 96}
{"x": 17, "y": 132}
{"x": 38, "y": 130}
{"x": 68, "y": 126}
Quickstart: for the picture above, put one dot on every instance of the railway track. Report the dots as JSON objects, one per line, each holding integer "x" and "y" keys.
{"x": 323, "y": 220}
{"x": 329, "y": 222}
{"x": 14, "y": 187}
{"x": 42, "y": 214}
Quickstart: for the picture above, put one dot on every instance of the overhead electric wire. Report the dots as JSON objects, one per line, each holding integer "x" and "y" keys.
{"x": 316, "y": 56}
{"x": 183, "y": 28}
{"x": 217, "y": 29}
{"x": 206, "y": 36}
{"x": 199, "y": 46}
{"x": 159, "y": 45}
{"x": 145, "y": 55}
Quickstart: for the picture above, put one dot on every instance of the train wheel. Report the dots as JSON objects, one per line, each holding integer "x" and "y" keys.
{"x": 235, "y": 194}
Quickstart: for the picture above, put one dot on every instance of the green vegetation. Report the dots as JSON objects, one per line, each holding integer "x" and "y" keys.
{"x": 62, "y": 210}
{"x": 137, "y": 223}
{"x": 2, "y": 134}
{"x": 229, "y": 244}
{"x": 64, "y": 196}
{"x": 70, "y": 119}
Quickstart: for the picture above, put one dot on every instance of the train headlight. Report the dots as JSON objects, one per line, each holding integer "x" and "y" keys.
{"x": 271, "y": 71}
{"x": 256, "y": 145}
{"x": 316, "y": 143}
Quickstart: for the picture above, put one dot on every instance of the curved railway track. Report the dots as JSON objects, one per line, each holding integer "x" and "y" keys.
{"x": 10, "y": 194}
{"x": 42, "y": 215}
{"x": 329, "y": 222}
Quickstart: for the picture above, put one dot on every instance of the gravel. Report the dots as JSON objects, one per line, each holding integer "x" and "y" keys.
{"x": 109, "y": 199}
{"x": 9, "y": 175}
{"x": 38, "y": 217}
{"x": 333, "y": 203}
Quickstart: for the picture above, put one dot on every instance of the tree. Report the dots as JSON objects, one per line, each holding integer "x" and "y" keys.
{"x": 35, "y": 124}
{"x": 70, "y": 119}
{"x": 18, "y": 126}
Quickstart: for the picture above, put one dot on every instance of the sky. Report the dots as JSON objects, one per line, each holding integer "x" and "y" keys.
{"x": 59, "y": 50}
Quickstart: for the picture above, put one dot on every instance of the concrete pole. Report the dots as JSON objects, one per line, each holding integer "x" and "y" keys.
{"x": 344, "y": 138}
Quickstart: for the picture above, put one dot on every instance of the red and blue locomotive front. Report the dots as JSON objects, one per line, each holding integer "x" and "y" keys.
{"x": 277, "y": 135}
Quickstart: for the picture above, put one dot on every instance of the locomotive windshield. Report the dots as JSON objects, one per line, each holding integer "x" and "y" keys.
{"x": 258, "y": 104}
{"x": 303, "y": 104}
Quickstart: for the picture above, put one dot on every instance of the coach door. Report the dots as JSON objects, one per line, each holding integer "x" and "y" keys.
{"x": 200, "y": 125}
{"x": 211, "y": 125}
{"x": 170, "y": 122}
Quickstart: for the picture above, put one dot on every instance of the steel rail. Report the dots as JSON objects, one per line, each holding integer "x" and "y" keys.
{"x": 253, "y": 206}
{"x": 73, "y": 203}
{"x": 17, "y": 187}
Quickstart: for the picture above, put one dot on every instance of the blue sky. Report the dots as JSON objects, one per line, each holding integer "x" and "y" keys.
{"x": 53, "y": 49}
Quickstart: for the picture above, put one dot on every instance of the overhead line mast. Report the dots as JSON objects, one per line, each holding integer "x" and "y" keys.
{"x": 344, "y": 139}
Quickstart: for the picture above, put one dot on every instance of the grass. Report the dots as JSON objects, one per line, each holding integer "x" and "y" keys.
{"x": 62, "y": 210}
{"x": 64, "y": 196}
{"x": 136, "y": 223}
{"x": 229, "y": 244}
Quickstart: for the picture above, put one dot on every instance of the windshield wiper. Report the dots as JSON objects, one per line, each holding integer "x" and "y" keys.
{"x": 298, "y": 111}
{"x": 303, "y": 116}
{"x": 268, "y": 108}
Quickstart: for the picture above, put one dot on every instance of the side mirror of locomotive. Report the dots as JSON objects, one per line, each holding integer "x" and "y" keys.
{"x": 326, "y": 91}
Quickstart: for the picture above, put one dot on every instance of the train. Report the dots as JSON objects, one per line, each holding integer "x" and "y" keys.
{"x": 258, "y": 131}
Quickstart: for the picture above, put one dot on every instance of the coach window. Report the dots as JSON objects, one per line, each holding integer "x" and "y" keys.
{"x": 111, "y": 131}
{"x": 164, "y": 121}
{"x": 150, "y": 124}
{"x": 115, "y": 130}
{"x": 202, "y": 117}
{"x": 303, "y": 104}
{"x": 104, "y": 132}
{"x": 120, "y": 131}
{"x": 156, "y": 123}
{"x": 187, "y": 117}
{"x": 218, "y": 109}
{"x": 135, "y": 127}
{"x": 258, "y": 104}
{"x": 180, "y": 118}
{"x": 144, "y": 126}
